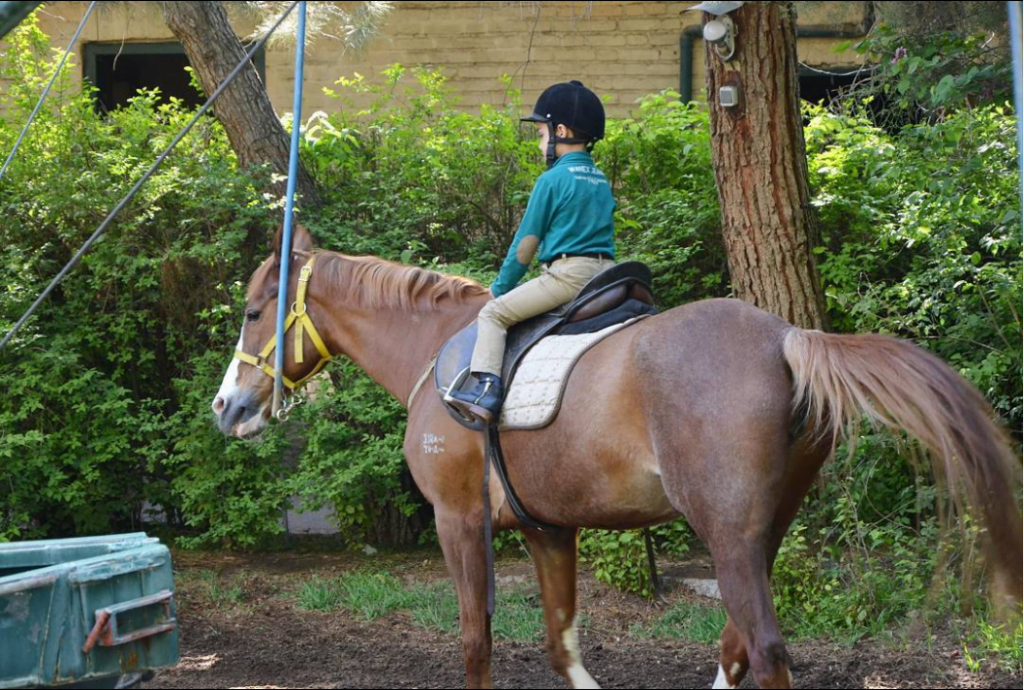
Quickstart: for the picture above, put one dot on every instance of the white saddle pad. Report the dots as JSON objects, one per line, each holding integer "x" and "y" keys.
{"x": 535, "y": 397}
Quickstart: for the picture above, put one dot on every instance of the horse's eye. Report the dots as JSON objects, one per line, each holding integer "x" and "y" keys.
{"x": 252, "y": 315}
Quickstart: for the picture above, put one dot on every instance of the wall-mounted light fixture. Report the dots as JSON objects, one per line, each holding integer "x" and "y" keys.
{"x": 720, "y": 31}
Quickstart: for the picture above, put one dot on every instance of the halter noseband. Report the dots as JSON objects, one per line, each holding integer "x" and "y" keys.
{"x": 298, "y": 317}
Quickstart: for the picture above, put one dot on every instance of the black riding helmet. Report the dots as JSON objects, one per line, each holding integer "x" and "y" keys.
{"x": 573, "y": 105}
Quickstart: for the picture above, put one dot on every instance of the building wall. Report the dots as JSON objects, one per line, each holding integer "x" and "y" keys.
{"x": 620, "y": 49}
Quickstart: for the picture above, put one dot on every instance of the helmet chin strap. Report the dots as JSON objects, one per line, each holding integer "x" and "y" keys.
{"x": 553, "y": 139}
{"x": 551, "y": 157}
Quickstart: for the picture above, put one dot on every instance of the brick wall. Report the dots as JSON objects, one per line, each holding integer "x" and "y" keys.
{"x": 621, "y": 49}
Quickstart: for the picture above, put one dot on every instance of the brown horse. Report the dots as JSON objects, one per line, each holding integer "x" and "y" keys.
{"x": 716, "y": 411}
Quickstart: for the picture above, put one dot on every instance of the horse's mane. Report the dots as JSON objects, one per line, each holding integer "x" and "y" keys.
{"x": 378, "y": 283}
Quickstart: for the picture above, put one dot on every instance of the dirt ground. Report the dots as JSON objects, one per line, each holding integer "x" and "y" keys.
{"x": 261, "y": 639}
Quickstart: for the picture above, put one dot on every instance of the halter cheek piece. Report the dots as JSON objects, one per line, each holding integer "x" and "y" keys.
{"x": 299, "y": 317}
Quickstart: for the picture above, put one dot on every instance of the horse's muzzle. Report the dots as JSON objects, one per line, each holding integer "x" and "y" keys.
{"x": 237, "y": 410}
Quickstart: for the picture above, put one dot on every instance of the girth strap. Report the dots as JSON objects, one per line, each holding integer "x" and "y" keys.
{"x": 496, "y": 456}
{"x": 493, "y": 455}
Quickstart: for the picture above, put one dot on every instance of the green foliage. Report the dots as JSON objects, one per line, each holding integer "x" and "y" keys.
{"x": 659, "y": 164}
{"x": 463, "y": 179}
{"x": 67, "y": 432}
{"x": 210, "y": 588}
{"x": 1003, "y": 643}
{"x": 109, "y": 384}
{"x": 353, "y": 461}
{"x": 921, "y": 228}
{"x": 923, "y": 77}
{"x": 369, "y": 595}
{"x": 838, "y": 589}
{"x": 620, "y": 558}
{"x": 923, "y": 238}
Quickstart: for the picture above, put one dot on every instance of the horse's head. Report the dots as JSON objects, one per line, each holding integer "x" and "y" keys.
{"x": 244, "y": 400}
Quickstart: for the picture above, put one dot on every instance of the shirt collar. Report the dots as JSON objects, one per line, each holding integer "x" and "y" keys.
{"x": 574, "y": 157}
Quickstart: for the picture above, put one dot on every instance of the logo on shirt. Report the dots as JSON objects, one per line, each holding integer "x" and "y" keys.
{"x": 587, "y": 173}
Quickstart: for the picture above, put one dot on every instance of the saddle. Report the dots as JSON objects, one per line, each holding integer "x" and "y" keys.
{"x": 615, "y": 296}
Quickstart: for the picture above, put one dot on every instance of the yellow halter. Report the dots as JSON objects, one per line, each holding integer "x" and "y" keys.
{"x": 303, "y": 324}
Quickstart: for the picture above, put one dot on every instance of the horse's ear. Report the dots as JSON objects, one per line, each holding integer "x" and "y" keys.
{"x": 301, "y": 241}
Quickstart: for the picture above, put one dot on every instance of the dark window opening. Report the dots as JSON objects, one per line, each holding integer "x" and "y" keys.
{"x": 816, "y": 87}
{"x": 119, "y": 70}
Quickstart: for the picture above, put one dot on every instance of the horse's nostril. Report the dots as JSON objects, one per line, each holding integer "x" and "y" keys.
{"x": 219, "y": 405}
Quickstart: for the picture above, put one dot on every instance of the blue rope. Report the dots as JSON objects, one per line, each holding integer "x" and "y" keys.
{"x": 286, "y": 235}
{"x": 56, "y": 73}
{"x": 1018, "y": 88}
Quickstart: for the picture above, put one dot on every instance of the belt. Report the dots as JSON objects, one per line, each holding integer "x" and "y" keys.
{"x": 599, "y": 256}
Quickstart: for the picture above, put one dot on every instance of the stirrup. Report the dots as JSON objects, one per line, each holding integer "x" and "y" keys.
{"x": 471, "y": 409}
{"x": 454, "y": 405}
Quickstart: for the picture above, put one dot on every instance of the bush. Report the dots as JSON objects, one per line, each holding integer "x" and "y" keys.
{"x": 923, "y": 235}
{"x": 110, "y": 380}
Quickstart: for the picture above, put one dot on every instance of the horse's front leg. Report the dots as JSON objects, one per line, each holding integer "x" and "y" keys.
{"x": 462, "y": 540}
{"x": 554, "y": 554}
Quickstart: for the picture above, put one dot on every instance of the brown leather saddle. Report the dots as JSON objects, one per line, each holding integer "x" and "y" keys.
{"x": 621, "y": 293}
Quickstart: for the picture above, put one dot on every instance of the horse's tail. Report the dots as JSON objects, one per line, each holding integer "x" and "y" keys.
{"x": 840, "y": 378}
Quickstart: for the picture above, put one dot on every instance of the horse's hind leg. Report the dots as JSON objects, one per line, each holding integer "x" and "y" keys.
{"x": 554, "y": 554}
{"x": 462, "y": 541}
{"x": 805, "y": 461}
{"x": 729, "y": 489}
{"x": 743, "y": 580}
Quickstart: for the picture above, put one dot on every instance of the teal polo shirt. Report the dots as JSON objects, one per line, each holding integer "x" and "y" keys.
{"x": 570, "y": 212}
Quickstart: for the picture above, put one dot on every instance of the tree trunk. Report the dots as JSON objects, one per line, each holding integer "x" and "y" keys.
{"x": 252, "y": 126}
{"x": 760, "y": 166}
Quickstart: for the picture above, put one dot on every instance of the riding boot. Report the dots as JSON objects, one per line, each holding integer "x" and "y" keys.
{"x": 484, "y": 401}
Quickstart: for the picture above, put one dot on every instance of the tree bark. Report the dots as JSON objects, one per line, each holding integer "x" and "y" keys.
{"x": 760, "y": 163}
{"x": 244, "y": 109}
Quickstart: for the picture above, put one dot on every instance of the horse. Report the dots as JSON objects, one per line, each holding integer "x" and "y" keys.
{"x": 716, "y": 411}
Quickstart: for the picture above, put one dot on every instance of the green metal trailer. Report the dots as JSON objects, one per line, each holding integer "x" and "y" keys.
{"x": 94, "y": 612}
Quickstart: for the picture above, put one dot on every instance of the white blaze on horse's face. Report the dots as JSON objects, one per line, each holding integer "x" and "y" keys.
{"x": 230, "y": 382}
{"x": 239, "y": 412}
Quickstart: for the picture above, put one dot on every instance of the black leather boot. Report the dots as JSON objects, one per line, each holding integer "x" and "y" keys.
{"x": 484, "y": 401}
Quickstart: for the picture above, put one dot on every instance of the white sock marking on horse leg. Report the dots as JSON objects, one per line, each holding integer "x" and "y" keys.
{"x": 722, "y": 681}
{"x": 578, "y": 675}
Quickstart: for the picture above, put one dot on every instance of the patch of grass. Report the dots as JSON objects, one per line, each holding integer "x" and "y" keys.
{"x": 435, "y": 607}
{"x": 371, "y": 596}
{"x": 368, "y": 595}
{"x": 1001, "y": 644}
{"x": 518, "y": 614}
{"x": 317, "y": 594}
{"x": 686, "y": 620}
{"x": 211, "y": 587}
